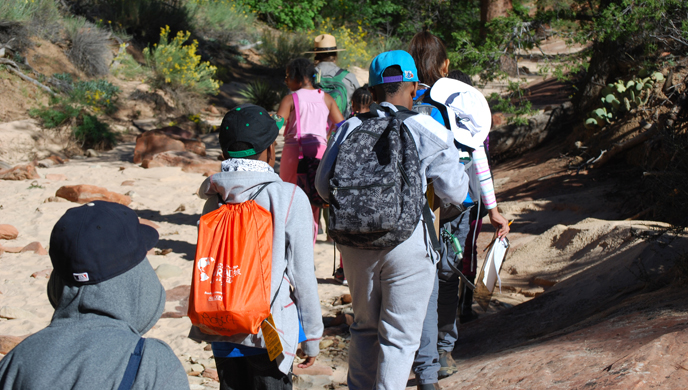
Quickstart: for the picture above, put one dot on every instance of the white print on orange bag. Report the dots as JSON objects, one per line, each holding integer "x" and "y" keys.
{"x": 229, "y": 274}
{"x": 202, "y": 263}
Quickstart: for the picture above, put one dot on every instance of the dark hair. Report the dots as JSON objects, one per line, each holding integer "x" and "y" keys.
{"x": 362, "y": 97}
{"x": 430, "y": 54}
{"x": 301, "y": 69}
{"x": 325, "y": 57}
{"x": 386, "y": 90}
{"x": 459, "y": 75}
{"x": 238, "y": 147}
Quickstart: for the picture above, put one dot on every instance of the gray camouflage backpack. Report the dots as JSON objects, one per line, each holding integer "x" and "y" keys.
{"x": 376, "y": 195}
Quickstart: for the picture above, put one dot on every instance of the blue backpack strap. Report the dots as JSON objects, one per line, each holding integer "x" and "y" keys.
{"x": 132, "y": 367}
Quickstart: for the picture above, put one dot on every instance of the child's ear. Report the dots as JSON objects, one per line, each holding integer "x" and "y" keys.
{"x": 414, "y": 89}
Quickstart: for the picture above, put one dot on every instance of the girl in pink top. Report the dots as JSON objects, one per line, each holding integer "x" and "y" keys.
{"x": 318, "y": 112}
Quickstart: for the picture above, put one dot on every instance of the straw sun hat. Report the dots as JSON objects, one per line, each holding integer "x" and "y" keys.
{"x": 325, "y": 43}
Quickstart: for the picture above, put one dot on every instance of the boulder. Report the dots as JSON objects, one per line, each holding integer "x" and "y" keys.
{"x": 212, "y": 374}
{"x": 178, "y": 293}
{"x": 189, "y": 162}
{"x": 84, "y": 193}
{"x": 20, "y": 172}
{"x": 166, "y": 139}
{"x": 8, "y": 232}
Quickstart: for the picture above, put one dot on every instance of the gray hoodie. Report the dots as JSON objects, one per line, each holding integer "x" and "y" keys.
{"x": 292, "y": 259}
{"x": 93, "y": 332}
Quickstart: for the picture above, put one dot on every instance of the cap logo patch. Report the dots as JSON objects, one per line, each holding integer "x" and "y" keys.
{"x": 83, "y": 277}
{"x": 408, "y": 74}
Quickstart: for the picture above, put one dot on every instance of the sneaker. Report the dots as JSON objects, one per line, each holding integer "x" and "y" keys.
{"x": 447, "y": 365}
{"x": 339, "y": 276}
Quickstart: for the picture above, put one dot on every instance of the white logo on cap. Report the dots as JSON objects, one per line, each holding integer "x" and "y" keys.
{"x": 408, "y": 74}
{"x": 81, "y": 277}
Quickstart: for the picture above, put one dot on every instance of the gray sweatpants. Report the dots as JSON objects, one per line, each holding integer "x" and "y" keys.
{"x": 390, "y": 290}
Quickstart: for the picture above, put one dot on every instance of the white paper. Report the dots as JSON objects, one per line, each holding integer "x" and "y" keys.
{"x": 493, "y": 264}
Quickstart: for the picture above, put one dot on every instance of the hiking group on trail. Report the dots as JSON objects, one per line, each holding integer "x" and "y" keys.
{"x": 399, "y": 170}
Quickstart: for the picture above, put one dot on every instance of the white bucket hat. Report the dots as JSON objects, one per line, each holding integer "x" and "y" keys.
{"x": 465, "y": 109}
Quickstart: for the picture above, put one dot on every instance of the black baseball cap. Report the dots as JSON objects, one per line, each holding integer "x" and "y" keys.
{"x": 250, "y": 124}
{"x": 98, "y": 241}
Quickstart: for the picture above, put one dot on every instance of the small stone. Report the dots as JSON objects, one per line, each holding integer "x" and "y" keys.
{"x": 13, "y": 313}
{"x": 96, "y": 166}
{"x": 53, "y": 199}
{"x": 42, "y": 273}
{"x": 197, "y": 368}
{"x": 36, "y": 248}
{"x": 45, "y": 163}
{"x": 498, "y": 119}
{"x": 165, "y": 271}
{"x": 56, "y": 177}
{"x": 212, "y": 374}
{"x": 180, "y": 209}
{"x": 326, "y": 343}
{"x": 8, "y": 232}
{"x": 346, "y": 298}
{"x": 143, "y": 221}
{"x": 127, "y": 183}
{"x": 163, "y": 252}
{"x": 91, "y": 153}
{"x": 131, "y": 194}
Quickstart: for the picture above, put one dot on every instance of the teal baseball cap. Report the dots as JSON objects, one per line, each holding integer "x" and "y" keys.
{"x": 391, "y": 58}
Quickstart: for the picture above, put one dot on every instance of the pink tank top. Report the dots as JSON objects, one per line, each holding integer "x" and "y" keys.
{"x": 314, "y": 117}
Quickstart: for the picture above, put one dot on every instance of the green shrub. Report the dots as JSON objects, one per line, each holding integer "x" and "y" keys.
{"x": 178, "y": 66}
{"x": 125, "y": 66}
{"x": 222, "y": 20}
{"x": 141, "y": 19}
{"x": 293, "y": 15}
{"x": 55, "y": 115}
{"x": 262, "y": 94}
{"x": 513, "y": 103}
{"x": 101, "y": 95}
{"x": 278, "y": 50}
{"x": 90, "y": 47}
{"x": 27, "y": 11}
{"x": 93, "y": 133}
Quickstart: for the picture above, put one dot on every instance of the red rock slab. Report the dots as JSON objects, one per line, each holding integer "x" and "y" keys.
{"x": 84, "y": 193}
{"x": 36, "y": 248}
{"x": 189, "y": 162}
{"x": 8, "y": 232}
{"x": 9, "y": 342}
{"x": 166, "y": 139}
{"x": 56, "y": 177}
{"x": 128, "y": 183}
{"x": 20, "y": 172}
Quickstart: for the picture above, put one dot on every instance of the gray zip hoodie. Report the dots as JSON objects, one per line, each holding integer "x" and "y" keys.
{"x": 292, "y": 259}
{"x": 93, "y": 333}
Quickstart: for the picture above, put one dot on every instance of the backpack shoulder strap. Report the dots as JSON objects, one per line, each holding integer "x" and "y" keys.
{"x": 132, "y": 367}
{"x": 340, "y": 75}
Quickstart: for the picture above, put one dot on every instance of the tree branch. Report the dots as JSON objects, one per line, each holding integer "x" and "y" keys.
{"x": 12, "y": 66}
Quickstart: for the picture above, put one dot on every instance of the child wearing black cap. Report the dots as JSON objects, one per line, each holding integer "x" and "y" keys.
{"x": 247, "y": 138}
{"x": 106, "y": 295}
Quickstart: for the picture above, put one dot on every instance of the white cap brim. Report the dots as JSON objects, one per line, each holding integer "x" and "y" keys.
{"x": 471, "y": 119}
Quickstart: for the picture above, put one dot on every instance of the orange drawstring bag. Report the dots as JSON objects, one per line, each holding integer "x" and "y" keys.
{"x": 230, "y": 289}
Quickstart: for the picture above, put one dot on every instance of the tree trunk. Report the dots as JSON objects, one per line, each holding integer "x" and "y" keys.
{"x": 490, "y": 9}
